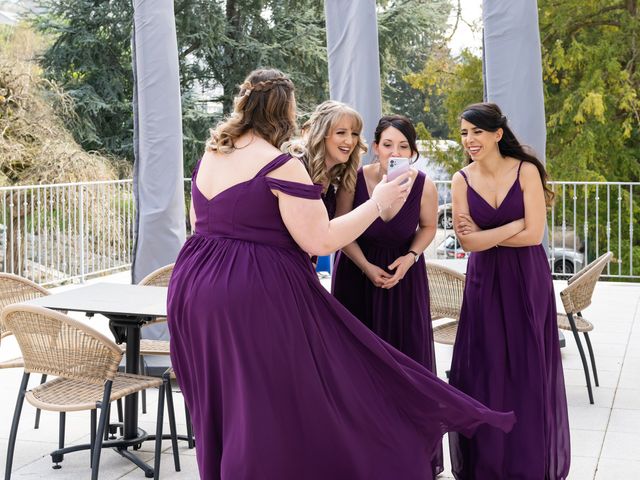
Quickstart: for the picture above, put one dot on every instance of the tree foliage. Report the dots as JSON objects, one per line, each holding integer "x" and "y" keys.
{"x": 458, "y": 81}
{"x": 409, "y": 33}
{"x": 590, "y": 56}
{"x": 219, "y": 42}
{"x": 591, "y": 77}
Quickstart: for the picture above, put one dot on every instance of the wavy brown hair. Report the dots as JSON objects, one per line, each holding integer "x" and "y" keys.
{"x": 319, "y": 126}
{"x": 266, "y": 105}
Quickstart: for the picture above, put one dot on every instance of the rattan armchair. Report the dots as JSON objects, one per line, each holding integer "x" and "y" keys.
{"x": 85, "y": 363}
{"x": 15, "y": 289}
{"x": 446, "y": 289}
{"x": 575, "y": 298}
{"x": 160, "y": 278}
{"x": 157, "y": 278}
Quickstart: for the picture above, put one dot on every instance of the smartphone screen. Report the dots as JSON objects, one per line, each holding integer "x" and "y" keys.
{"x": 397, "y": 166}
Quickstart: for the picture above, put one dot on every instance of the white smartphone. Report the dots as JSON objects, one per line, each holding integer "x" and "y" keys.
{"x": 397, "y": 166}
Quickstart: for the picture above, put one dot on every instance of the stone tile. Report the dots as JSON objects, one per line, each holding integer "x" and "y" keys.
{"x": 589, "y": 418}
{"x": 625, "y": 421}
{"x": 614, "y": 469}
{"x": 76, "y": 465}
{"x": 630, "y": 374}
{"x": 623, "y": 446}
{"x": 586, "y": 443}
{"x": 26, "y": 452}
{"x": 572, "y": 360}
{"x": 579, "y": 397}
{"x": 582, "y": 468}
{"x": 576, "y": 377}
{"x": 627, "y": 398}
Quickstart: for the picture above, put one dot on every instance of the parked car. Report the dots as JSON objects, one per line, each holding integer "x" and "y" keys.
{"x": 450, "y": 248}
{"x": 445, "y": 217}
{"x": 562, "y": 261}
{"x": 566, "y": 260}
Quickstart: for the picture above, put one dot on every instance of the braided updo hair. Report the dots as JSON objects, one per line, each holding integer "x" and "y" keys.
{"x": 266, "y": 105}
{"x": 488, "y": 116}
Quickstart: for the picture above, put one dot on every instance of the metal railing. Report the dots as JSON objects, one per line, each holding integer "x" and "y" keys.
{"x": 60, "y": 233}
{"x": 586, "y": 220}
{"x": 64, "y": 232}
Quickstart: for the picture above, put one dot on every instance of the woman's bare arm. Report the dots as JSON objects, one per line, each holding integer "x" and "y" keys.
{"x": 535, "y": 210}
{"x": 308, "y": 222}
{"x": 478, "y": 240}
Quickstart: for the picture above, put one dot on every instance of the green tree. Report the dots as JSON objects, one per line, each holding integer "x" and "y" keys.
{"x": 219, "y": 42}
{"x": 409, "y": 32}
{"x": 90, "y": 58}
{"x": 458, "y": 81}
{"x": 590, "y": 57}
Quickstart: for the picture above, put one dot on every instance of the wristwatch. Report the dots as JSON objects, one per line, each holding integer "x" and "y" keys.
{"x": 416, "y": 255}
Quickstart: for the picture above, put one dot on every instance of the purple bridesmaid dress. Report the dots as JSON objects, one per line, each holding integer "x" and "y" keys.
{"x": 400, "y": 315}
{"x": 507, "y": 355}
{"x": 281, "y": 381}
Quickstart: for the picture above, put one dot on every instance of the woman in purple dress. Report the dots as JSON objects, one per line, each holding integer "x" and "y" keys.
{"x": 381, "y": 278}
{"x": 281, "y": 381}
{"x": 506, "y": 353}
{"x": 332, "y": 149}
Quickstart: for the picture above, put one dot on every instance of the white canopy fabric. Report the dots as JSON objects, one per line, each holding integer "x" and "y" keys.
{"x": 354, "y": 65}
{"x": 158, "y": 173}
{"x": 158, "y": 183}
{"x": 513, "y": 68}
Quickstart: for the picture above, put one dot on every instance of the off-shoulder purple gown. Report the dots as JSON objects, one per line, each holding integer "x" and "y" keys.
{"x": 507, "y": 355}
{"x": 281, "y": 381}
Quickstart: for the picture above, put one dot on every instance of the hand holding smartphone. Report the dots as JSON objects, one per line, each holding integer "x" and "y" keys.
{"x": 397, "y": 166}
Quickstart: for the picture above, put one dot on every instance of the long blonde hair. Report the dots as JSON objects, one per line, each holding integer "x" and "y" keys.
{"x": 266, "y": 105}
{"x": 320, "y": 125}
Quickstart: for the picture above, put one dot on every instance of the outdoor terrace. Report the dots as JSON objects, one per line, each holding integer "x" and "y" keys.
{"x": 605, "y": 436}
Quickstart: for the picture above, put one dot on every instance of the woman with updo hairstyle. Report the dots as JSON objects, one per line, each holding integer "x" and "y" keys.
{"x": 507, "y": 352}
{"x": 382, "y": 277}
{"x": 280, "y": 380}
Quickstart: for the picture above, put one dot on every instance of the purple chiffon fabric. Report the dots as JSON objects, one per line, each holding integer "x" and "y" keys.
{"x": 281, "y": 381}
{"x": 507, "y": 355}
{"x": 400, "y": 315}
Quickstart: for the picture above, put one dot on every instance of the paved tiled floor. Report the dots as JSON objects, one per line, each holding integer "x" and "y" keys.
{"x": 605, "y": 437}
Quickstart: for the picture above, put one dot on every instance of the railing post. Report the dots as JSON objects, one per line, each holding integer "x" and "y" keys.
{"x": 82, "y": 274}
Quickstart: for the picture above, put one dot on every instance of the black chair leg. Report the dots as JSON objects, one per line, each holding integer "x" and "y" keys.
{"x": 92, "y": 435}
{"x": 593, "y": 359}
{"x": 191, "y": 441}
{"x": 37, "y": 424}
{"x": 166, "y": 379}
{"x": 160, "y": 420}
{"x": 143, "y": 371}
{"x": 61, "y": 431}
{"x": 576, "y": 336}
{"x": 14, "y": 426}
{"x": 106, "y": 430}
{"x": 120, "y": 416}
{"x": 97, "y": 446}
